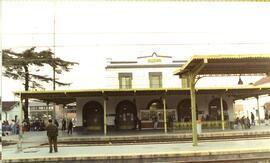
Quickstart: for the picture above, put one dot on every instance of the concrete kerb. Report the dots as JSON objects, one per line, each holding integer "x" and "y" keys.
{"x": 170, "y": 136}
{"x": 138, "y": 138}
{"x": 237, "y": 153}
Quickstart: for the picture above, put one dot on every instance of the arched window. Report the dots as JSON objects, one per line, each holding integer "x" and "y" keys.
{"x": 155, "y": 105}
{"x": 214, "y": 110}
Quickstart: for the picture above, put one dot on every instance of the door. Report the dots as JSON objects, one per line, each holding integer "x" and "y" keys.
{"x": 126, "y": 114}
{"x": 93, "y": 116}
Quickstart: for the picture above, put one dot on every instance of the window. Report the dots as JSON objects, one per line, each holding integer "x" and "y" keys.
{"x": 125, "y": 80}
{"x": 155, "y": 79}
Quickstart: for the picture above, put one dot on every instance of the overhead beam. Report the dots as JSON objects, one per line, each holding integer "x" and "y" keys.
{"x": 196, "y": 70}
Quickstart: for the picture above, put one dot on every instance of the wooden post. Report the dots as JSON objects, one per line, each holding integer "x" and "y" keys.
{"x": 222, "y": 113}
{"x": 165, "y": 114}
{"x": 192, "y": 76}
{"x": 258, "y": 107}
{"x": 193, "y": 109}
{"x": 104, "y": 115}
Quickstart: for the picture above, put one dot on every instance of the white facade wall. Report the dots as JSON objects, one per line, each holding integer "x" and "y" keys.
{"x": 140, "y": 77}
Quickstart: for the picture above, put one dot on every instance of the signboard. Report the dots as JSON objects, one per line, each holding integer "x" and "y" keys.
{"x": 110, "y": 120}
{"x": 153, "y": 60}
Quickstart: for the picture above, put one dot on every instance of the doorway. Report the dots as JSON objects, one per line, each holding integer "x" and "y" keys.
{"x": 93, "y": 116}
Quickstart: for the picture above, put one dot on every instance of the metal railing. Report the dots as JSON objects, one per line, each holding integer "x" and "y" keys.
{"x": 205, "y": 125}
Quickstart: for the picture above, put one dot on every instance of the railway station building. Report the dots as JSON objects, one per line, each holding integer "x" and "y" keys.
{"x": 157, "y": 88}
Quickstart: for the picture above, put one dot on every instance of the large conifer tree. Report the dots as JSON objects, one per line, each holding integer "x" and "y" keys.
{"x": 21, "y": 66}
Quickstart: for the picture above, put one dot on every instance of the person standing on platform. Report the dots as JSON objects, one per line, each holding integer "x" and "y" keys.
{"x": 116, "y": 123}
{"x": 14, "y": 128}
{"x": 64, "y": 124}
{"x": 70, "y": 126}
{"x": 155, "y": 121}
{"x": 56, "y": 123}
{"x": 252, "y": 119}
{"x": 139, "y": 124}
{"x": 52, "y": 133}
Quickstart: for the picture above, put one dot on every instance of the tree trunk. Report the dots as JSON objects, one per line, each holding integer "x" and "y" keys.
{"x": 26, "y": 88}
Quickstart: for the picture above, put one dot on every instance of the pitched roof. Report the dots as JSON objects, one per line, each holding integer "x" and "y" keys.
{"x": 226, "y": 64}
{"x": 8, "y": 105}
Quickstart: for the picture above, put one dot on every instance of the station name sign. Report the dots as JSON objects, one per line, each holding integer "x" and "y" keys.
{"x": 153, "y": 60}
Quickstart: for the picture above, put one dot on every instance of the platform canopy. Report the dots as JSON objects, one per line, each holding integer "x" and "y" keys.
{"x": 69, "y": 96}
{"x": 220, "y": 65}
{"x": 227, "y": 64}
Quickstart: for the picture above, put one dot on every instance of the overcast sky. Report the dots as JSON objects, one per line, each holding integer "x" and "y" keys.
{"x": 89, "y": 32}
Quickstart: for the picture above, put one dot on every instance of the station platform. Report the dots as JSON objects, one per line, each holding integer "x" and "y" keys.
{"x": 254, "y": 144}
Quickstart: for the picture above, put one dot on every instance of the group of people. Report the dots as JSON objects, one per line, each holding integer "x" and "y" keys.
{"x": 37, "y": 125}
{"x": 10, "y": 128}
{"x": 155, "y": 119}
{"x": 245, "y": 122}
{"x": 69, "y": 127}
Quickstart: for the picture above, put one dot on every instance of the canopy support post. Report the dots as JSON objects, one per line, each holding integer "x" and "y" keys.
{"x": 193, "y": 109}
{"x": 104, "y": 115}
{"x": 165, "y": 114}
{"x": 222, "y": 113}
{"x": 258, "y": 107}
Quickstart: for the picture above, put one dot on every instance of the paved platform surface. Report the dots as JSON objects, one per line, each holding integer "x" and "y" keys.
{"x": 138, "y": 151}
{"x": 40, "y": 137}
{"x": 33, "y": 152}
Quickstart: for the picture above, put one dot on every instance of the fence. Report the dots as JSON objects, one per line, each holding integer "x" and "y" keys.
{"x": 205, "y": 125}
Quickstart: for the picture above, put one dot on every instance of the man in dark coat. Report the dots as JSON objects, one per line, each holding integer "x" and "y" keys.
{"x": 52, "y": 133}
{"x": 252, "y": 119}
{"x": 64, "y": 123}
{"x": 70, "y": 126}
{"x": 56, "y": 123}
